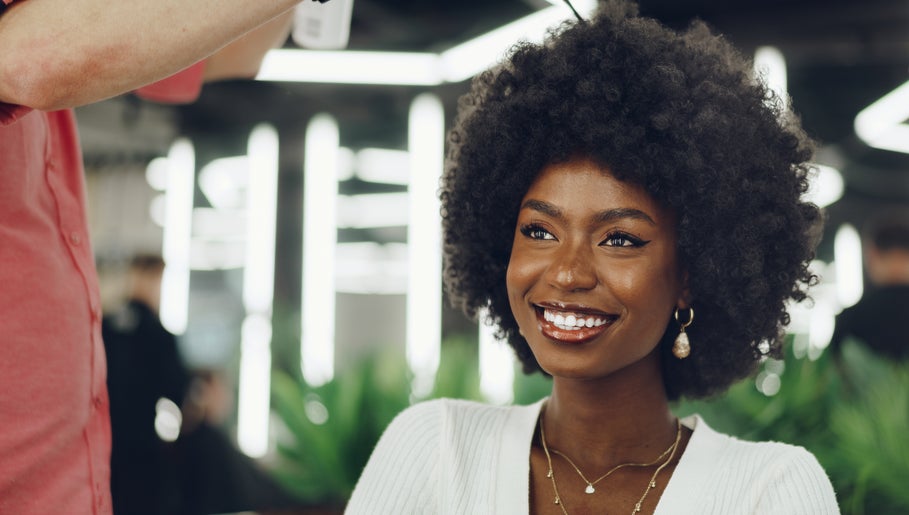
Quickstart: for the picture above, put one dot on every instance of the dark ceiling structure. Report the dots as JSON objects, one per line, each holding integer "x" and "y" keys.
{"x": 841, "y": 56}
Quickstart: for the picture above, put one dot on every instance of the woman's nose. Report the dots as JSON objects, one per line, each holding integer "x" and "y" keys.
{"x": 573, "y": 269}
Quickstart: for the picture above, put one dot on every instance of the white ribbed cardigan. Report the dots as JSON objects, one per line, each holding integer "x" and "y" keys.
{"x": 458, "y": 457}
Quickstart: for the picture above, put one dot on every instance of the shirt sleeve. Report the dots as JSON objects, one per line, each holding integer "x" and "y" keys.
{"x": 180, "y": 88}
{"x": 401, "y": 477}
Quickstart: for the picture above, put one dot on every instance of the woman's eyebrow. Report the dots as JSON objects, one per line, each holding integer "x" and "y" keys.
{"x": 609, "y": 215}
{"x": 544, "y": 207}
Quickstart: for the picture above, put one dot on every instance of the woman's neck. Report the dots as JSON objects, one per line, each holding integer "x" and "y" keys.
{"x": 602, "y": 423}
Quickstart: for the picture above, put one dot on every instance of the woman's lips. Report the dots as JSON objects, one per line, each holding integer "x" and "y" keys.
{"x": 572, "y": 326}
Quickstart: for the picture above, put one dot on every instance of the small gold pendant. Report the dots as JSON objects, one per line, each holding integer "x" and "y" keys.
{"x": 590, "y": 489}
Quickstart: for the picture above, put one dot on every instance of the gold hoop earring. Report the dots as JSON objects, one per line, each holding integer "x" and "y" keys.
{"x": 682, "y": 347}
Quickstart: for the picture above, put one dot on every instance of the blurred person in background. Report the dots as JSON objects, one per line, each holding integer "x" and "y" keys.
{"x": 624, "y": 203}
{"x": 143, "y": 367}
{"x": 188, "y": 467}
{"x": 879, "y": 319}
{"x": 56, "y": 55}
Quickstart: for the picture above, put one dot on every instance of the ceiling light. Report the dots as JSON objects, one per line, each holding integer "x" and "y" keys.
{"x": 824, "y": 187}
{"x": 472, "y": 57}
{"x": 351, "y": 67}
{"x": 882, "y": 124}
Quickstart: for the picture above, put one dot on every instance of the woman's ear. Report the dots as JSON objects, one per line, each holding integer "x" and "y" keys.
{"x": 684, "y": 300}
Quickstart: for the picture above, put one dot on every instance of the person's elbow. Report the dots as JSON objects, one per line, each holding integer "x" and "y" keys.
{"x": 36, "y": 83}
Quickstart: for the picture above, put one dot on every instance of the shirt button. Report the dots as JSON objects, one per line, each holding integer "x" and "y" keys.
{"x": 75, "y": 238}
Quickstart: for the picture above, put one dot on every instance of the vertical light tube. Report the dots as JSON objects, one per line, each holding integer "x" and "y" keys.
{"x": 258, "y": 292}
{"x": 847, "y": 254}
{"x": 496, "y": 366}
{"x": 255, "y": 385}
{"x": 426, "y": 140}
{"x": 178, "y": 214}
{"x": 261, "y": 220}
{"x": 320, "y": 237}
{"x": 770, "y": 63}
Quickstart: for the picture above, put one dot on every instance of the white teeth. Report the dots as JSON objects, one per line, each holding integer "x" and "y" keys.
{"x": 572, "y": 322}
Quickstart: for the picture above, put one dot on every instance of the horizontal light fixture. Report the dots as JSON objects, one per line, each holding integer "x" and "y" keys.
{"x": 372, "y": 210}
{"x": 369, "y": 268}
{"x": 584, "y": 7}
{"x": 217, "y": 254}
{"x": 883, "y": 124}
{"x": 472, "y": 57}
{"x": 382, "y": 165}
{"x": 351, "y": 67}
{"x": 456, "y": 64}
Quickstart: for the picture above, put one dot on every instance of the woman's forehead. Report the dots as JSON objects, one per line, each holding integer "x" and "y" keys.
{"x": 584, "y": 185}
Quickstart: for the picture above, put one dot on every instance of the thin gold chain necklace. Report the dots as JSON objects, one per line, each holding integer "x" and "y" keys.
{"x": 590, "y": 489}
{"x": 650, "y": 484}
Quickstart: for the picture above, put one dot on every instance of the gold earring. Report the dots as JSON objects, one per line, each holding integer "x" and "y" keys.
{"x": 682, "y": 347}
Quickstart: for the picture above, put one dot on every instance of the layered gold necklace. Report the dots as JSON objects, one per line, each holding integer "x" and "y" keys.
{"x": 590, "y": 484}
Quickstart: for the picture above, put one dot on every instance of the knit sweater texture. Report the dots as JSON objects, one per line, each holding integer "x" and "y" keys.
{"x": 459, "y": 457}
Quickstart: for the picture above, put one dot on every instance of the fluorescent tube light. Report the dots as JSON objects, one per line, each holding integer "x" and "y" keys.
{"x": 178, "y": 213}
{"x": 351, "y": 67}
{"x": 426, "y": 140}
{"x": 320, "y": 236}
{"x": 883, "y": 124}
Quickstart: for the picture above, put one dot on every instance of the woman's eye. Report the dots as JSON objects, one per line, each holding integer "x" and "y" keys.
{"x": 535, "y": 232}
{"x": 620, "y": 239}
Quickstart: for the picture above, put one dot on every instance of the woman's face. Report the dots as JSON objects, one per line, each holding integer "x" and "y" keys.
{"x": 593, "y": 277}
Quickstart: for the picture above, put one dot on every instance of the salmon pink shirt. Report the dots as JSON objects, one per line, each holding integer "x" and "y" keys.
{"x": 54, "y": 425}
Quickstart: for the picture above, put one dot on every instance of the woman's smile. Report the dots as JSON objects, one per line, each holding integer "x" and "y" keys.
{"x": 572, "y": 325}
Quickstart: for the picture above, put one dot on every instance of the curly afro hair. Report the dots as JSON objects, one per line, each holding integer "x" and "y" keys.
{"x": 678, "y": 113}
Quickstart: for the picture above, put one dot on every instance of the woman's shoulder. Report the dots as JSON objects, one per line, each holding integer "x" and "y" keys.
{"x": 754, "y": 473}
{"x": 707, "y": 439}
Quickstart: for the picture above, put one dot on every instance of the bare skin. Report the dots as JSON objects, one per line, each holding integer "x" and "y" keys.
{"x": 590, "y": 247}
{"x": 57, "y": 55}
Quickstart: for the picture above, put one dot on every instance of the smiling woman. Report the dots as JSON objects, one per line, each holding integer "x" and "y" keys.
{"x": 600, "y": 189}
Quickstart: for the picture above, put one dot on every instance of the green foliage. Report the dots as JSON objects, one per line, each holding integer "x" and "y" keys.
{"x": 530, "y": 388}
{"x": 458, "y": 376}
{"x": 320, "y": 460}
{"x": 332, "y": 429}
{"x": 853, "y": 414}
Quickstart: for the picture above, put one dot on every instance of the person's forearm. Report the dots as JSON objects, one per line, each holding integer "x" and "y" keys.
{"x": 64, "y": 53}
{"x": 243, "y": 57}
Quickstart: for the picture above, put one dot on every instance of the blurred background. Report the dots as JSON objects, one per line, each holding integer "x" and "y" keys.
{"x": 297, "y": 216}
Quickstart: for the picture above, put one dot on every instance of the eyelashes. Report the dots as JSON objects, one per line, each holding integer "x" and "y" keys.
{"x": 614, "y": 238}
{"x": 536, "y": 232}
{"x": 623, "y": 239}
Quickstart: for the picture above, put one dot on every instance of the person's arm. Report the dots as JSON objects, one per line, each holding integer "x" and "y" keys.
{"x": 58, "y": 54}
{"x": 243, "y": 58}
{"x": 240, "y": 59}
